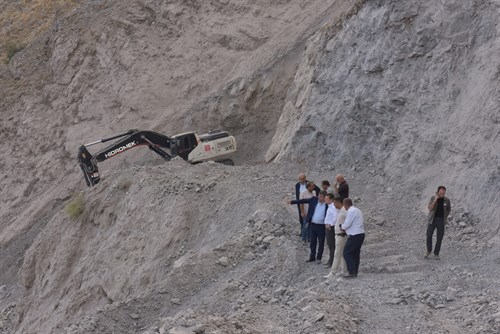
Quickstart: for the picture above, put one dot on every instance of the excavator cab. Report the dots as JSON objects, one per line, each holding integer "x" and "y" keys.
{"x": 185, "y": 143}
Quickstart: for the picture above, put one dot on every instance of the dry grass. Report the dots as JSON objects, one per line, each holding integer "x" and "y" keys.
{"x": 22, "y": 21}
{"x": 75, "y": 208}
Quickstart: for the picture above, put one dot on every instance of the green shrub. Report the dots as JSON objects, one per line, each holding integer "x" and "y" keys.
{"x": 75, "y": 208}
{"x": 12, "y": 49}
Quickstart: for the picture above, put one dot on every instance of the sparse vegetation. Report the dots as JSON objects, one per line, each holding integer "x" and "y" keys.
{"x": 125, "y": 185}
{"x": 12, "y": 49}
{"x": 75, "y": 208}
{"x": 23, "y": 21}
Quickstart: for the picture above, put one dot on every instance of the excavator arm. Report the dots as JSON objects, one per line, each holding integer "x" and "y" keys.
{"x": 130, "y": 139}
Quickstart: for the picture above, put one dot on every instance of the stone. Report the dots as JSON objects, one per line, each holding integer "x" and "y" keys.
{"x": 306, "y": 324}
{"x": 199, "y": 329}
{"x": 280, "y": 291}
{"x": 265, "y": 298}
{"x": 279, "y": 233}
{"x": 175, "y": 301}
{"x": 395, "y": 301}
{"x": 307, "y": 308}
{"x": 223, "y": 261}
{"x": 268, "y": 239}
{"x": 180, "y": 330}
{"x": 249, "y": 256}
{"x": 319, "y": 317}
{"x": 451, "y": 293}
{"x": 134, "y": 316}
{"x": 481, "y": 308}
{"x": 495, "y": 316}
{"x": 330, "y": 326}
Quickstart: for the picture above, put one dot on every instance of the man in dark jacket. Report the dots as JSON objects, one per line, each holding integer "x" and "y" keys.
{"x": 439, "y": 209}
{"x": 341, "y": 187}
{"x": 316, "y": 218}
{"x": 300, "y": 187}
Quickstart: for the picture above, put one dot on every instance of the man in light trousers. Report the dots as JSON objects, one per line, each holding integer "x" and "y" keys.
{"x": 339, "y": 266}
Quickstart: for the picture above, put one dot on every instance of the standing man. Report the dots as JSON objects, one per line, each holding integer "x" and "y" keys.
{"x": 339, "y": 266}
{"x": 300, "y": 187}
{"x": 341, "y": 187}
{"x": 316, "y": 218}
{"x": 439, "y": 209}
{"x": 330, "y": 219}
{"x": 325, "y": 185}
{"x": 355, "y": 230}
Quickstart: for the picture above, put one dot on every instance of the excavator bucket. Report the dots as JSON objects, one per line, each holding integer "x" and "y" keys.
{"x": 88, "y": 166}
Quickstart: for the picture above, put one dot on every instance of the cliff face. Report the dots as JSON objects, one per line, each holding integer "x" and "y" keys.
{"x": 408, "y": 90}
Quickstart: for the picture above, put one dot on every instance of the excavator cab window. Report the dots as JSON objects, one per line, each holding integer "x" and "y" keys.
{"x": 185, "y": 144}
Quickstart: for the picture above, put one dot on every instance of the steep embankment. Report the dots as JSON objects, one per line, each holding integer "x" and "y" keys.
{"x": 174, "y": 245}
{"x": 408, "y": 91}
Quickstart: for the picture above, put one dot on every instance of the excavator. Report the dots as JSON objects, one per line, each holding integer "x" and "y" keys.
{"x": 189, "y": 146}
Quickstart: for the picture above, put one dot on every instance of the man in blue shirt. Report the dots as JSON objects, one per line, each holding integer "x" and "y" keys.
{"x": 316, "y": 218}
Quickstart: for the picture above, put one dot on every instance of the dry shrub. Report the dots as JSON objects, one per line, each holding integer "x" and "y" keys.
{"x": 75, "y": 208}
{"x": 125, "y": 185}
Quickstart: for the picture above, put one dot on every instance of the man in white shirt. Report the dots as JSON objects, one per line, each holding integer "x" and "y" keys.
{"x": 330, "y": 219}
{"x": 354, "y": 228}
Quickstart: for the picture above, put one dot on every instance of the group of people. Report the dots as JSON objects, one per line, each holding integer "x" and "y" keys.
{"x": 328, "y": 213}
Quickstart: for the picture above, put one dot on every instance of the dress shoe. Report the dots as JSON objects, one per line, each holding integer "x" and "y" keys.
{"x": 311, "y": 260}
{"x": 349, "y": 276}
{"x": 426, "y": 256}
{"x": 318, "y": 261}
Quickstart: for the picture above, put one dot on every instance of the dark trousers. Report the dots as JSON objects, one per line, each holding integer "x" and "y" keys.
{"x": 352, "y": 251}
{"x": 437, "y": 223}
{"x": 317, "y": 234}
{"x": 330, "y": 241}
{"x": 301, "y": 220}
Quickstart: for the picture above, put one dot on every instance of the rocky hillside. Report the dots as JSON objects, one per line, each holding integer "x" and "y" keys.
{"x": 399, "y": 96}
{"x": 409, "y": 91}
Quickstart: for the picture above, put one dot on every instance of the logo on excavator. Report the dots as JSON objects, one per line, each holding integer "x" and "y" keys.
{"x": 120, "y": 149}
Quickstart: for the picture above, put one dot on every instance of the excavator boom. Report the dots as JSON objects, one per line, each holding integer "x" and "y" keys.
{"x": 132, "y": 138}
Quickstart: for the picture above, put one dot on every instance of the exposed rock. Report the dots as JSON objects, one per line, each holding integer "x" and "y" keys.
{"x": 223, "y": 261}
